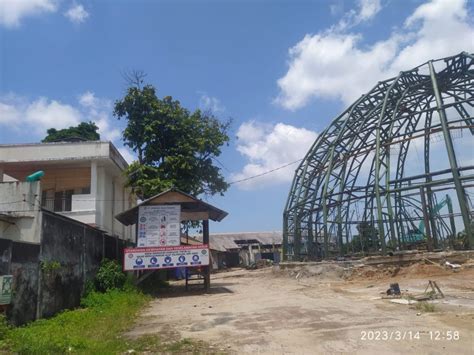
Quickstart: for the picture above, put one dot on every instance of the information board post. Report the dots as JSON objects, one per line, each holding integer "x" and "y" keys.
{"x": 205, "y": 240}
{"x": 158, "y": 243}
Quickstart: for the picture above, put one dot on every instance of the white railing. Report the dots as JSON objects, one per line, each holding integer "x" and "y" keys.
{"x": 83, "y": 202}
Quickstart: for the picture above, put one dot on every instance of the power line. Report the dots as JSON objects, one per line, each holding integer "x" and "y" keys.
{"x": 265, "y": 173}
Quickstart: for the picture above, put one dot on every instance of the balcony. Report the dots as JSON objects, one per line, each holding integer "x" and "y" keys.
{"x": 77, "y": 206}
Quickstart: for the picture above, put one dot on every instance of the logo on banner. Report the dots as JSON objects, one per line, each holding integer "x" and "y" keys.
{"x": 182, "y": 260}
{"x": 195, "y": 260}
{"x": 167, "y": 261}
{"x": 139, "y": 263}
{"x": 153, "y": 260}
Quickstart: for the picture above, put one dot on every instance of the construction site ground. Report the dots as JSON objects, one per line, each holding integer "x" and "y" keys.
{"x": 319, "y": 308}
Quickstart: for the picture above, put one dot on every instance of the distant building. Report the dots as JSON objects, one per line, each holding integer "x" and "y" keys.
{"x": 82, "y": 180}
{"x": 244, "y": 248}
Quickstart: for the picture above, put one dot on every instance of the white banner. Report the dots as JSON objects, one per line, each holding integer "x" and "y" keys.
{"x": 159, "y": 226}
{"x": 165, "y": 257}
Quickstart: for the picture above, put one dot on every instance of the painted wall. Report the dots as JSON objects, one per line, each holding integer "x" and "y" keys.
{"x": 19, "y": 205}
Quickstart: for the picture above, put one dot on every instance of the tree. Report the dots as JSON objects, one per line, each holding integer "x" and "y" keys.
{"x": 175, "y": 147}
{"x": 86, "y": 131}
{"x": 367, "y": 239}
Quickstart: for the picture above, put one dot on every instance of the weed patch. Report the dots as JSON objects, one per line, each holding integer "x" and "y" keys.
{"x": 425, "y": 307}
{"x": 95, "y": 329}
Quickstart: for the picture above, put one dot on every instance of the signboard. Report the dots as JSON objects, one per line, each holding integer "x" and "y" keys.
{"x": 165, "y": 257}
{"x": 159, "y": 226}
{"x": 6, "y": 282}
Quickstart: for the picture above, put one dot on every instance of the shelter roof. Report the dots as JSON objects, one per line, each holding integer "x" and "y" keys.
{"x": 192, "y": 208}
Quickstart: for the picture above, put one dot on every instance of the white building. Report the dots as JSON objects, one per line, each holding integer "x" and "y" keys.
{"x": 82, "y": 180}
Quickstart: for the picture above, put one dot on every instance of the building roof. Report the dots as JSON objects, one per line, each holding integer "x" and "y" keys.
{"x": 229, "y": 241}
{"x": 14, "y": 158}
{"x": 192, "y": 209}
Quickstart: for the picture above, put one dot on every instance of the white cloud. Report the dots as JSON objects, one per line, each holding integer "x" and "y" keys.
{"x": 44, "y": 113}
{"x": 336, "y": 8}
{"x": 127, "y": 155}
{"x": 335, "y": 64}
{"x": 37, "y": 115}
{"x": 40, "y": 114}
{"x": 106, "y": 129}
{"x": 368, "y": 9}
{"x": 77, "y": 14}
{"x": 13, "y": 11}
{"x": 98, "y": 110}
{"x": 268, "y": 147}
{"x": 365, "y": 11}
{"x": 9, "y": 114}
{"x": 88, "y": 99}
{"x": 213, "y": 104}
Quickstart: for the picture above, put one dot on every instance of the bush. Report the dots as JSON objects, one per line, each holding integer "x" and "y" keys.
{"x": 95, "y": 329}
{"x": 4, "y": 327}
{"x": 110, "y": 276}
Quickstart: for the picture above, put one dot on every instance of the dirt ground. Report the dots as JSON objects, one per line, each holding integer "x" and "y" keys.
{"x": 314, "y": 311}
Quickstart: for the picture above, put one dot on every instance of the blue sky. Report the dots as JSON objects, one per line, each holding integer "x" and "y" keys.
{"x": 282, "y": 70}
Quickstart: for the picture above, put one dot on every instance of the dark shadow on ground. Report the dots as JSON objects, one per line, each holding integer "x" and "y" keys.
{"x": 193, "y": 290}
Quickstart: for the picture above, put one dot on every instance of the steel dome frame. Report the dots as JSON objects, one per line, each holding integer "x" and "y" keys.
{"x": 327, "y": 200}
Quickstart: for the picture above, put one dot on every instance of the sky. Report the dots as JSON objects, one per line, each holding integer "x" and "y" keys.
{"x": 282, "y": 70}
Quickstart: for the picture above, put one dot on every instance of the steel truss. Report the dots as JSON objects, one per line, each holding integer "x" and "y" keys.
{"x": 354, "y": 191}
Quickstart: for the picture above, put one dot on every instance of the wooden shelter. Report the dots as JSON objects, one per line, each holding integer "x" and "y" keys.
{"x": 192, "y": 209}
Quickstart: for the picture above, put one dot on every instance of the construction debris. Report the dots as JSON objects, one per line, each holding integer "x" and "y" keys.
{"x": 403, "y": 301}
{"x": 394, "y": 290}
{"x": 435, "y": 290}
{"x": 455, "y": 267}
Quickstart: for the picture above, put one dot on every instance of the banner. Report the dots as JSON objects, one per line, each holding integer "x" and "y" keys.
{"x": 159, "y": 226}
{"x": 165, "y": 257}
{"x": 6, "y": 282}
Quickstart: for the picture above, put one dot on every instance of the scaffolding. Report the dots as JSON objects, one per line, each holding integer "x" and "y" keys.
{"x": 393, "y": 172}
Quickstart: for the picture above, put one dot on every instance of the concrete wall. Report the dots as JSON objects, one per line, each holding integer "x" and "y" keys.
{"x": 41, "y": 291}
{"x": 19, "y": 206}
{"x": 112, "y": 197}
{"x": 79, "y": 250}
{"x": 25, "y": 268}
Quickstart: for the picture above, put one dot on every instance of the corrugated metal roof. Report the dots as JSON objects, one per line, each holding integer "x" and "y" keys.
{"x": 227, "y": 241}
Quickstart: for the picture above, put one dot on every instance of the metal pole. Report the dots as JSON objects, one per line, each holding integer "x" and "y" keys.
{"x": 452, "y": 237}
{"x": 426, "y": 218}
{"x": 207, "y": 269}
{"x": 452, "y": 158}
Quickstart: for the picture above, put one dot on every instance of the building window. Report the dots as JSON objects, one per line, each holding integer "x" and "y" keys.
{"x": 57, "y": 201}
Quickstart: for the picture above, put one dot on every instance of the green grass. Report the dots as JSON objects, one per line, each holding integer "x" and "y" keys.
{"x": 425, "y": 307}
{"x": 95, "y": 329}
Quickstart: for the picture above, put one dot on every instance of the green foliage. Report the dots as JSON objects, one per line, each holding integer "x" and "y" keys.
{"x": 50, "y": 266}
{"x": 96, "y": 329}
{"x": 175, "y": 147}
{"x": 110, "y": 276}
{"x": 366, "y": 240}
{"x": 462, "y": 240}
{"x": 84, "y": 131}
{"x": 425, "y": 307}
{"x": 4, "y": 328}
